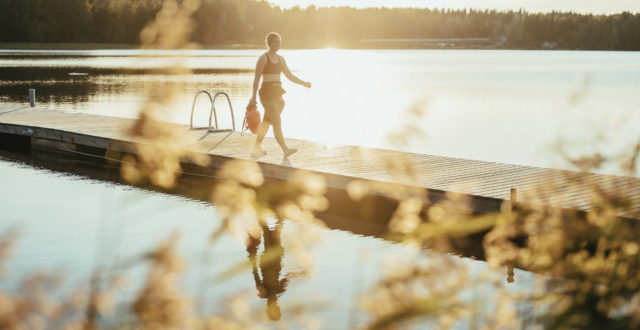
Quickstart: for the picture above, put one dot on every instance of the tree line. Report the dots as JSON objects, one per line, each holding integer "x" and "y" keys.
{"x": 225, "y": 22}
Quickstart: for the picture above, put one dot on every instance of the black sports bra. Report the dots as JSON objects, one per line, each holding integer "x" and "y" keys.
{"x": 272, "y": 68}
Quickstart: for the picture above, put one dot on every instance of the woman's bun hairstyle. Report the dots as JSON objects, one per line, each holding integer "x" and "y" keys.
{"x": 270, "y": 37}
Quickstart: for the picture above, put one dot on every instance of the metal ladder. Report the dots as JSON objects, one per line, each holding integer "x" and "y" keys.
{"x": 212, "y": 112}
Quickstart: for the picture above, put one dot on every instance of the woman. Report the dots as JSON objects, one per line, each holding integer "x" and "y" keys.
{"x": 269, "y": 67}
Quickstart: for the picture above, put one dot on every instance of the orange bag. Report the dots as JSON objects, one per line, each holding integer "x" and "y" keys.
{"x": 251, "y": 119}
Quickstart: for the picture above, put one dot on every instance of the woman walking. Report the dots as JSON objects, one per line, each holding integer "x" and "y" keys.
{"x": 269, "y": 67}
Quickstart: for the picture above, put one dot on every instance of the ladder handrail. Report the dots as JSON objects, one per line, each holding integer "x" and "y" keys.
{"x": 195, "y": 98}
{"x": 213, "y": 110}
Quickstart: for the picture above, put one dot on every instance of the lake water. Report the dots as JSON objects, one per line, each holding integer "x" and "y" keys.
{"x": 507, "y": 106}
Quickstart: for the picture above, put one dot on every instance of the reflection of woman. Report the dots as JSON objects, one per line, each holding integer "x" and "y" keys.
{"x": 269, "y": 67}
{"x": 270, "y": 286}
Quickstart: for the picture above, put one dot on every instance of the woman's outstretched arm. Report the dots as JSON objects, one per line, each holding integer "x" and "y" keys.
{"x": 291, "y": 76}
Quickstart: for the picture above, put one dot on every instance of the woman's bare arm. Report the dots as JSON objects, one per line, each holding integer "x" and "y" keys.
{"x": 291, "y": 76}
{"x": 256, "y": 80}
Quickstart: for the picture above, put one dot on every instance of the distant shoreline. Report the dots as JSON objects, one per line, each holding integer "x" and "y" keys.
{"x": 373, "y": 44}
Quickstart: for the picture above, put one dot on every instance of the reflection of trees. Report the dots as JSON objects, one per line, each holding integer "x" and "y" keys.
{"x": 55, "y": 84}
{"x": 57, "y": 92}
{"x": 270, "y": 286}
{"x": 51, "y": 84}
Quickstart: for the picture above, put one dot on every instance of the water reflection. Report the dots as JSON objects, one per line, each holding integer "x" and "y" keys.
{"x": 269, "y": 285}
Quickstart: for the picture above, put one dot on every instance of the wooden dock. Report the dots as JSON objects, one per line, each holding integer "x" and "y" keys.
{"x": 487, "y": 184}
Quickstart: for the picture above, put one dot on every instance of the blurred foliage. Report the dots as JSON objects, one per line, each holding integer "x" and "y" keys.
{"x": 223, "y": 22}
{"x": 587, "y": 262}
{"x": 161, "y": 149}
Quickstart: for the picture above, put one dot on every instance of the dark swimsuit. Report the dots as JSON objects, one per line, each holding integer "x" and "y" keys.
{"x": 271, "y": 93}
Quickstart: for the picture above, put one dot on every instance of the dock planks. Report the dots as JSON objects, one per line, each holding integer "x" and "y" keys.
{"x": 488, "y": 183}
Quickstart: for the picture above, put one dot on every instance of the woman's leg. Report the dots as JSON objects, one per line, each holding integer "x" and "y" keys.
{"x": 262, "y": 132}
{"x": 277, "y": 130}
{"x": 273, "y": 109}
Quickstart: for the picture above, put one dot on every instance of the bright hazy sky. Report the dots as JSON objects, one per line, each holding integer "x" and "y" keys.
{"x": 582, "y": 6}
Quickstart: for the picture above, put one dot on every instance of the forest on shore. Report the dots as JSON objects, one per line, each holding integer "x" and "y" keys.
{"x": 245, "y": 22}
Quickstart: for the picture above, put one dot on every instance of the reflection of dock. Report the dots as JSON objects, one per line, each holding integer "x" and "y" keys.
{"x": 487, "y": 184}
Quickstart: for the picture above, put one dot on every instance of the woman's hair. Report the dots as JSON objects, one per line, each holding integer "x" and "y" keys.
{"x": 270, "y": 37}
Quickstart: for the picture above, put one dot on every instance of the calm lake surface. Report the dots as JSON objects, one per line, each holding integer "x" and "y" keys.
{"x": 505, "y": 106}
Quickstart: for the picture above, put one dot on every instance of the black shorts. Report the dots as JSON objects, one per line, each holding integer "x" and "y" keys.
{"x": 272, "y": 101}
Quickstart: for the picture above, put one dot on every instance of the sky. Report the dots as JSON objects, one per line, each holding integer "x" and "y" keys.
{"x": 581, "y": 6}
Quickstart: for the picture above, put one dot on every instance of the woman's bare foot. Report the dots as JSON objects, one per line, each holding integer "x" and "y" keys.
{"x": 289, "y": 152}
{"x": 257, "y": 153}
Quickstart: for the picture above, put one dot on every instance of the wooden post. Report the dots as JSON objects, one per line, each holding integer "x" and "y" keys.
{"x": 510, "y": 274}
{"x": 32, "y": 97}
{"x": 512, "y": 205}
{"x": 514, "y": 193}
